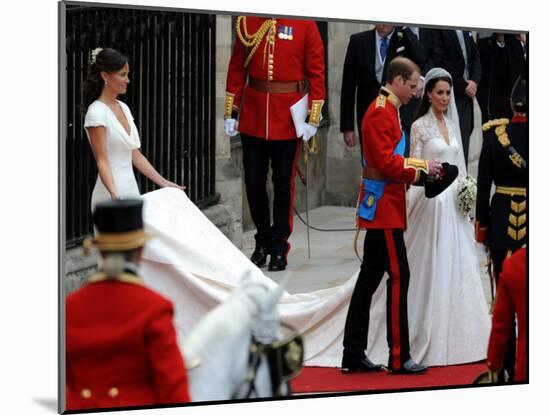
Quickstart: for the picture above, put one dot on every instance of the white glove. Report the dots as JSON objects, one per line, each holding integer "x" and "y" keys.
{"x": 230, "y": 127}
{"x": 309, "y": 131}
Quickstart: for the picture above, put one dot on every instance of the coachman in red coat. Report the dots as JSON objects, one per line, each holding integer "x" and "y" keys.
{"x": 381, "y": 210}
{"x": 121, "y": 346}
{"x": 275, "y": 61}
{"x": 510, "y": 303}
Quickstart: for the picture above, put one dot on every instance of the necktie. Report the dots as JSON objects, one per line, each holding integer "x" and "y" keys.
{"x": 460, "y": 34}
{"x": 383, "y": 48}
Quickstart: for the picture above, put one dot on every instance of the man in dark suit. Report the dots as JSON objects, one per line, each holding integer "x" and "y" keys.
{"x": 502, "y": 61}
{"x": 430, "y": 41}
{"x": 367, "y": 58}
{"x": 460, "y": 57}
{"x": 501, "y": 220}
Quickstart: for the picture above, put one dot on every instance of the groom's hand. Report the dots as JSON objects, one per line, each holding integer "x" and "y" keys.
{"x": 434, "y": 167}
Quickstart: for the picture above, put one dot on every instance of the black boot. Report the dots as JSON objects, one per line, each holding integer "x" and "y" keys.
{"x": 259, "y": 256}
{"x": 277, "y": 263}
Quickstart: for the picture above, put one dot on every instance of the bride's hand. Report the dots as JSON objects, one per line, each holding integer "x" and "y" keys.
{"x": 168, "y": 183}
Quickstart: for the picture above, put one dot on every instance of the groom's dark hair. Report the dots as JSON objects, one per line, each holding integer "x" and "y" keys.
{"x": 401, "y": 66}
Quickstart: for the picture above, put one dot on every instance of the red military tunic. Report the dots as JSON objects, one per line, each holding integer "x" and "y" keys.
{"x": 121, "y": 347}
{"x": 297, "y": 57}
{"x": 381, "y": 132}
{"x": 510, "y": 301}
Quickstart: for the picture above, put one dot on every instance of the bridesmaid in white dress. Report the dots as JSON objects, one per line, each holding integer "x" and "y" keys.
{"x": 111, "y": 130}
{"x": 448, "y": 314}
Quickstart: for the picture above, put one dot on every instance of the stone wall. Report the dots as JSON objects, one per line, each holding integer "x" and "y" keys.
{"x": 343, "y": 163}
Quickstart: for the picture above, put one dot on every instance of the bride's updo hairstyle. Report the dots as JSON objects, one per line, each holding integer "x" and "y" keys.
{"x": 425, "y": 104}
{"x": 108, "y": 60}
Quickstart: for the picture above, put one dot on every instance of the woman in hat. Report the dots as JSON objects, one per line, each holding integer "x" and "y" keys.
{"x": 111, "y": 130}
{"x": 121, "y": 346}
{"x": 448, "y": 312}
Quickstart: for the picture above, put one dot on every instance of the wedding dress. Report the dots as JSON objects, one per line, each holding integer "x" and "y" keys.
{"x": 449, "y": 319}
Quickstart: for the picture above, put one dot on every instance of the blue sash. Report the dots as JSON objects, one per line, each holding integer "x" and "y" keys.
{"x": 374, "y": 189}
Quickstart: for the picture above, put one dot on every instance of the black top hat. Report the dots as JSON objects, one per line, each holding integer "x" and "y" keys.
{"x": 449, "y": 173}
{"x": 119, "y": 225}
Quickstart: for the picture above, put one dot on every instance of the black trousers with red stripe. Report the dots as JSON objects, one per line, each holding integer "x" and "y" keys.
{"x": 257, "y": 155}
{"x": 384, "y": 251}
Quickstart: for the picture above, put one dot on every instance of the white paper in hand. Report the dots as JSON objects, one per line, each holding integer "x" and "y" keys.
{"x": 299, "y": 115}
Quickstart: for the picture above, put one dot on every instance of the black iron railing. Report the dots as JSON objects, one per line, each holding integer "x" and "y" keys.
{"x": 171, "y": 95}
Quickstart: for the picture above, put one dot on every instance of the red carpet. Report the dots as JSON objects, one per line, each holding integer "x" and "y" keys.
{"x": 325, "y": 379}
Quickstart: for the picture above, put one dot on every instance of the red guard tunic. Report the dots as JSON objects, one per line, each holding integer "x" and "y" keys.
{"x": 280, "y": 50}
{"x": 121, "y": 347}
{"x": 510, "y": 301}
{"x": 381, "y": 132}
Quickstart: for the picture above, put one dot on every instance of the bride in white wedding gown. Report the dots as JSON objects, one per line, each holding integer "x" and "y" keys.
{"x": 192, "y": 263}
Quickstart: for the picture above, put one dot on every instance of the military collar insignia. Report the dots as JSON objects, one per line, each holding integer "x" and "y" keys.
{"x": 390, "y": 96}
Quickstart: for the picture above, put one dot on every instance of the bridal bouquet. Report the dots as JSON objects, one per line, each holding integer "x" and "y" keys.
{"x": 466, "y": 194}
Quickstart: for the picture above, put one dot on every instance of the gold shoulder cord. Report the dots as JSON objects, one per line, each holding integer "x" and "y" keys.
{"x": 252, "y": 41}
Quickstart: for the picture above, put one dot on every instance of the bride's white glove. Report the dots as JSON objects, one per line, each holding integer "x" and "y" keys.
{"x": 309, "y": 131}
{"x": 230, "y": 127}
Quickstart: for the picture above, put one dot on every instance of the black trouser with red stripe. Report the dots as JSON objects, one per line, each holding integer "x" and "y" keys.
{"x": 384, "y": 251}
{"x": 283, "y": 154}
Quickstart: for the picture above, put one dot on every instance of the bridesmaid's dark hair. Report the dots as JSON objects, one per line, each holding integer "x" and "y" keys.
{"x": 425, "y": 104}
{"x": 108, "y": 60}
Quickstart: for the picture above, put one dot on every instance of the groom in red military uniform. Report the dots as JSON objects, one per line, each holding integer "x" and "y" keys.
{"x": 382, "y": 212}
{"x": 273, "y": 62}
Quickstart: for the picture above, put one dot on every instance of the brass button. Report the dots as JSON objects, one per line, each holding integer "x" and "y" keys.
{"x": 270, "y": 67}
{"x": 270, "y": 78}
{"x": 270, "y": 72}
{"x": 86, "y": 393}
{"x": 113, "y": 392}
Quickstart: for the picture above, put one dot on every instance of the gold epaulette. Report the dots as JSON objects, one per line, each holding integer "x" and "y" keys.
{"x": 381, "y": 101}
{"x": 494, "y": 123}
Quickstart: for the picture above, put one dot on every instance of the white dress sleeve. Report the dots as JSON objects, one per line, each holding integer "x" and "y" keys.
{"x": 417, "y": 139}
{"x": 95, "y": 116}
